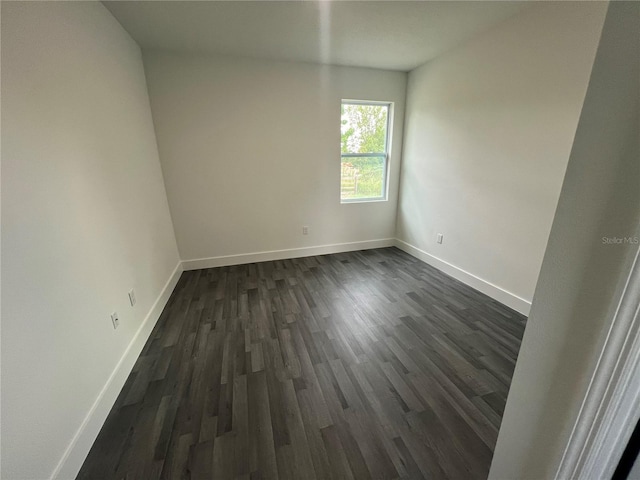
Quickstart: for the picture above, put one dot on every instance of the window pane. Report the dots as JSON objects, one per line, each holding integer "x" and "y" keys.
{"x": 362, "y": 177}
{"x": 364, "y": 128}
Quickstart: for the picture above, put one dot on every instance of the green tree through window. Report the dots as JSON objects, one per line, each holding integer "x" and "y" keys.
{"x": 364, "y": 128}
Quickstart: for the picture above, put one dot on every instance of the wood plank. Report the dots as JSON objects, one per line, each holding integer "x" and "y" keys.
{"x": 357, "y": 365}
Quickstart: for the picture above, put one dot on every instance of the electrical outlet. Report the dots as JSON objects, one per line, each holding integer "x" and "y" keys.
{"x": 132, "y": 297}
{"x": 115, "y": 320}
{"x": 305, "y": 230}
{"x": 439, "y": 238}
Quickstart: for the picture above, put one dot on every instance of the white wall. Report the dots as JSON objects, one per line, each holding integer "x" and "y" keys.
{"x": 250, "y": 152}
{"x": 84, "y": 218}
{"x": 581, "y": 277}
{"x": 488, "y": 133}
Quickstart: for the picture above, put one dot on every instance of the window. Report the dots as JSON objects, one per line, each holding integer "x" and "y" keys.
{"x": 364, "y": 150}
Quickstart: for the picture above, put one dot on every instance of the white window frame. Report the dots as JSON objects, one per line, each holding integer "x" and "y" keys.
{"x": 385, "y": 155}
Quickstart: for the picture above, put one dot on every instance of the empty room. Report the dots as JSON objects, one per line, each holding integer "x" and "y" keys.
{"x": 320, "y": 240}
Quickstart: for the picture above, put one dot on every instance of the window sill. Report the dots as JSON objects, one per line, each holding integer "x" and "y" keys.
{"x": 363, "y": 200}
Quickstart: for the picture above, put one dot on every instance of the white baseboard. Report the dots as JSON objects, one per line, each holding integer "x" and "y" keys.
{"x": 223, "y": 261}
{"x": 503, "y": 296}
{"x": 77, "y": 451}
{"x": 511, "y": 300}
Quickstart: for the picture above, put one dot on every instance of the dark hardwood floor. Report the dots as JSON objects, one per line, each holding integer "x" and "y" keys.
{"x": 359, "y": 365}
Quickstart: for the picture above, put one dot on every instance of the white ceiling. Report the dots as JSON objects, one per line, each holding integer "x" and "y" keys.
{"x": 395, "y": 35}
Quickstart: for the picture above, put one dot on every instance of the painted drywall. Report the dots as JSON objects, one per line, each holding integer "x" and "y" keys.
{"x": 84, "y": 219}
{"x": 250, "y": 152}
{"x": 584, "y": 268}
{"x": 488, "y": 133}
{"x": 385, "y": 35}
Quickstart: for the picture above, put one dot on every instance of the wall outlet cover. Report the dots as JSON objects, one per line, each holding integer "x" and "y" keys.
{"x": 115, "y": 320}
{"x": 132, "y": 297}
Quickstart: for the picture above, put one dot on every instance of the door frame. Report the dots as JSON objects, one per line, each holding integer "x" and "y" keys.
{"x": 610, "y": 409}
